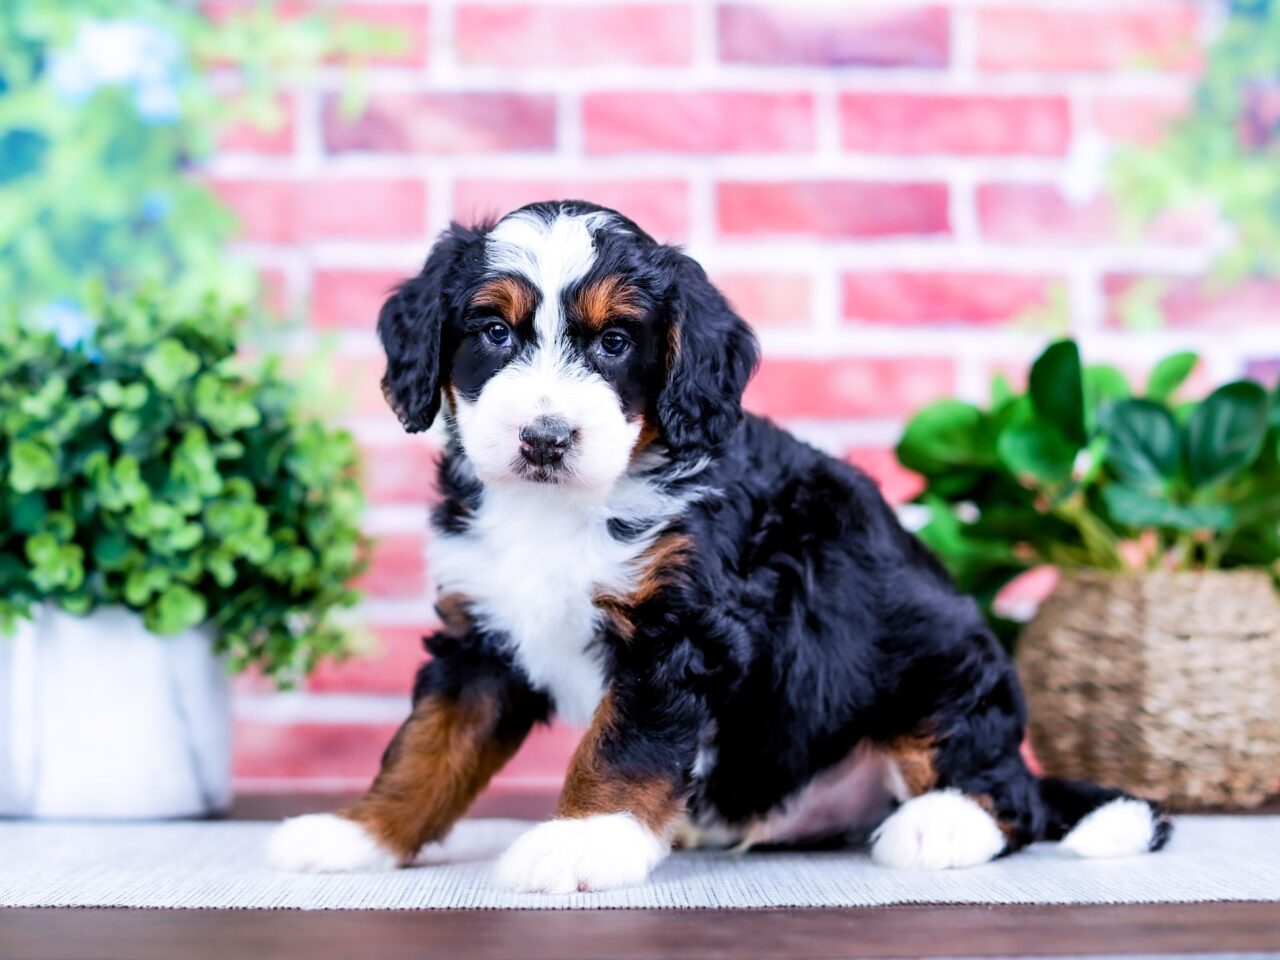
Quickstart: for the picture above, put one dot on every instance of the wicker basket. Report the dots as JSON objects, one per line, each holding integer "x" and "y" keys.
{"x": 1167, "y": 685}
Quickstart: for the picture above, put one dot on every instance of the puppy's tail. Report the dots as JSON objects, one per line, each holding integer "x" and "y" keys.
{"x": 1094, "y": 821}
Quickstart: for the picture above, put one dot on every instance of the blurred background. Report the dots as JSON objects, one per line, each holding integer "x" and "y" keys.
{"x": 902, "y": 198}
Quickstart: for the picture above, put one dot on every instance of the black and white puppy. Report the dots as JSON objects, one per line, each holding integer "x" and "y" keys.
{"x": 759, "y": 651}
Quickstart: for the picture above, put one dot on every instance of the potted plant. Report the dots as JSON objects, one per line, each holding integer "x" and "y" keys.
{"x": 1155, "y": 662}
{"x": 167, "y": 512}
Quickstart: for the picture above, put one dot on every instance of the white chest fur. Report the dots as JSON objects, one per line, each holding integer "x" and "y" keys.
{"x": 530, "y": 564}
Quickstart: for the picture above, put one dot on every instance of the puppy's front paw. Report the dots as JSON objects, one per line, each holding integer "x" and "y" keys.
{"x": 326, "y": 843}
{"x": 937, "y": 831}
{"x": 593, "y": 853}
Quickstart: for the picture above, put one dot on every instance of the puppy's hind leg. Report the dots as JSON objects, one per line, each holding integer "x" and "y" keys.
{"x": 967, "y": 795}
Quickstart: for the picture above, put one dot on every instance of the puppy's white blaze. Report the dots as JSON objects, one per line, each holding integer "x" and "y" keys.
{"x": 325, "y": 843}
{"x": 594, "y": 853}
{"x": 543, "y": 384}
{"x": 937, "y": 831}
{"x": 551, "y": 254}
{"x": 1122, "y": 828}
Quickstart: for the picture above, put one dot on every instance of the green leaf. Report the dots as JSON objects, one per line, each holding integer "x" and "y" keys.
{"x": 1143, "y": 448}
{"x": 943, "y": 435}
{"x": 1057, "y": 390}
{"x": 124, "y": 425}
{"x": 1104, "y": 386}
{"x": 111, "y": 550}
{"x": 1141, "y": 511}
{"x": 1001, "y": 391}
{"x": 1225, "y": 432}
{"x": 176, "y": 609}
{"x": 54, "y": 566}
{"x": 1170, "y": 374}
{"x": 1036, "y": 455}
{"x": 170, "y": 364}
{"x": 33, "y": 466}
{"x": 114, "y": 395}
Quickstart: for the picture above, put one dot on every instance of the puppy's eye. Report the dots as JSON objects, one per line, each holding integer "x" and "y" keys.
{"x": 499, "y": 334}
{"x": 614, "y": 342}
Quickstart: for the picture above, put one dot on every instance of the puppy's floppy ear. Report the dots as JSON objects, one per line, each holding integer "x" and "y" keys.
{"x": 711, "y": 354}
{"x": 413, "y": 327}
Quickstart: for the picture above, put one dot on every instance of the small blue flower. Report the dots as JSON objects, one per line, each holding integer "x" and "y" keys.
{"x": 72, "y": 326}
{"x": 125, "y": 53}
{"x": 155, "y": 207}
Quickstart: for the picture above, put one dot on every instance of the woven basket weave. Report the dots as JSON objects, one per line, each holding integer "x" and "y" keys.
{"x": 1165, "y": 684}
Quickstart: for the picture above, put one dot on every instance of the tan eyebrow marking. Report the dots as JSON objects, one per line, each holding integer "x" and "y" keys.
{"x": 608, "y": 299}
{"x": 512, "y": 298}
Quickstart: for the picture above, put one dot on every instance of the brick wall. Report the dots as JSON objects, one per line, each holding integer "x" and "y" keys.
{"x": 901, "y": 198}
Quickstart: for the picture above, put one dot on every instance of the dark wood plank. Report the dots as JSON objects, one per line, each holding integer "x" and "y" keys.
{"x": 93, "y": 934}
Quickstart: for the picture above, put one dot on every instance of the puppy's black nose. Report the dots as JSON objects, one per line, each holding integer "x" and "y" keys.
{"x": 544, "y": 441}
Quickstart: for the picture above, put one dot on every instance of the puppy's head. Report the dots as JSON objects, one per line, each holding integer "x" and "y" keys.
{"x": 564, "y": 340}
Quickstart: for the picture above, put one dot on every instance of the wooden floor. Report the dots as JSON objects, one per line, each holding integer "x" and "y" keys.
{"x": 901, "y": 931}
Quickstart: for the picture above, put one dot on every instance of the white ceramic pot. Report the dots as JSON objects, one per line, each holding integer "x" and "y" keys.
{"x": 100, "y": 718}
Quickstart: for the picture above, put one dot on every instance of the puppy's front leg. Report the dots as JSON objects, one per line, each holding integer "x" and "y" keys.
{"x": 624, "y": 790}
{"x": 454, "y": 741}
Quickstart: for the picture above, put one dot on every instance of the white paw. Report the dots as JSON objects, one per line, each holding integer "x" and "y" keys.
{"x": 937, "y": 831}
{"x": 1121, "y": 828}
{"x": 594, "y": 853}
{"x": 326, "y": 843}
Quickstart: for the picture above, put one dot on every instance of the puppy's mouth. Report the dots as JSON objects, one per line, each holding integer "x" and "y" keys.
{"x": 536, "y": 473}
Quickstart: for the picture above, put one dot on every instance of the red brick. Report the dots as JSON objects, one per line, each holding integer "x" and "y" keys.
{"x": 661, "y": 207}
{"x": 356, "y": 383}
{"x": 831, "y": 208}
{"x": 349, "y": 753}
{"x": 884, "y": 36}
{"x": 896, "y": 482}
{"x": 408, "y": 22}
{"x": 389, "y": 668}
{"x": 1035, "y": 211}
{"x": 335, "y": 208}
{"x": 398, "y": 566}
{"x": 271, "y": 139}
{"x": 350, "y": 298}
{"x": 1114, "y": 37}
{"x": 273, "y": 293}
{"x": 400, "y": 471}
{"x": 700, "y": 122}
{"x": 1265, "y": 370}
{"x": 1141, "y": 119}
{"x": 443, "y": 123}
{"x": 900, "y": 297}
{"x": 849, "y": 386}
{"x": 1201, "y": 302}
{"x": 941, "y": 123}
{"x": 574, "y": 35}
{"x": 768, "y": 299}
{"x": 1022, "y": 212}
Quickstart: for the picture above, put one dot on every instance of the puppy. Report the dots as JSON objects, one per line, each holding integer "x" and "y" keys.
{"x": 759, "y": 652}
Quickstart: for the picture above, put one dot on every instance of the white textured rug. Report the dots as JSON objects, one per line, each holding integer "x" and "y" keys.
{"x": 219, "y": 864}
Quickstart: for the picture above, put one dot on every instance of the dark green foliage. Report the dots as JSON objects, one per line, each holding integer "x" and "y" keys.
{"x": 149, "y": 466}
{"x": 1079, "y": 473}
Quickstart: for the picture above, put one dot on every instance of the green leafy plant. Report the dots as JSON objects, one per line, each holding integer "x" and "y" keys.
{"x": 1223, "y": 154}
{"x": 143, "y": 464}
{"x": 106, "y": 107}
{"x": 1080, "y": 472}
